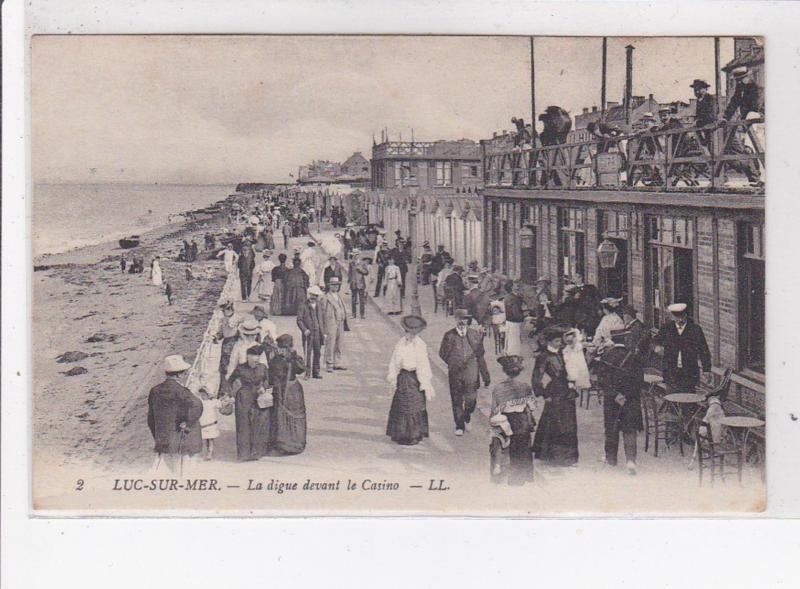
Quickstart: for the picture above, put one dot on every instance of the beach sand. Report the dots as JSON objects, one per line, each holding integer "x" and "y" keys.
{"x": 100, "y": 416}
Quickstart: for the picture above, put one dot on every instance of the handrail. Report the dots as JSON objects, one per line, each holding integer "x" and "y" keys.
{"x": 670, "y": 159}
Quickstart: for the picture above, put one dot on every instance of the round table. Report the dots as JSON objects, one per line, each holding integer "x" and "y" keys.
{"x": 685, "y": 414}
{"x": 742, "y": 422}
{"x": 684, "y": 398}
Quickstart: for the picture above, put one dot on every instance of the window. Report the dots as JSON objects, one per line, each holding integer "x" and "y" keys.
{"x": 572, "y": 242}
{"x": 670, "y": 265}
{"x": 751, "y": 296}
{"x": 405, "y": 173}
{"x": 444, "y": 173}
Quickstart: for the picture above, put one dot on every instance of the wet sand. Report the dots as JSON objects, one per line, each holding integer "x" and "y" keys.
{"x": 99, "y": 416}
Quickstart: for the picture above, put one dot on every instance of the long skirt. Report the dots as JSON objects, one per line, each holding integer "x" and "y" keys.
{"x": 519, "y": 451}
{"x": 269, "y": 241}
{"x": 556, "y": 439}
{"x": 224, "y": 359}
{"x": 513, "y": 338}
{"x": 408, "y": 416}
{"x": 393, "y": 302}
{"x": 278, "y": 294}
{"x": 253, "y": 426}
{"x": 294, "y": 296}
{"x": 289, "y": 418}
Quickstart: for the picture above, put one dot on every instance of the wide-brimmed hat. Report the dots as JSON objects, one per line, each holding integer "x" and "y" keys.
{"x": 611, "y": 302}
{"x": 739, "y": 72}
{"x": 334, "y": 281}
{"x": 314, "y": 290}
{"x": 413, "y": 323}
{"x": 176, "y": 363}
{"x": 699, "y": 84}
{"x": 249, "y": 327}
{"x": 511, "y": 363}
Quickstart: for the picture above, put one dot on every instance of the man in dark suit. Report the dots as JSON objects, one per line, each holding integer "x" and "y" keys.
{"x": 381, "y": 260}
{"x": 706, "y": 106}
{"x": 685, "y": 349}
{"x": 311, "y": 321}
{"x": 247, "y": 262}
{"x": 462, "y": 351}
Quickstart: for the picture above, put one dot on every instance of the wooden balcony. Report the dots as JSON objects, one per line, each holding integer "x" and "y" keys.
{"x": 713, "y": 159}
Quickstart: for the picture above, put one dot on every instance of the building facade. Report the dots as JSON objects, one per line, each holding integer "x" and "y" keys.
{"x": 702, "y": 245}
{"x": 437, "y": 165}
{"x": 440, "y": 217}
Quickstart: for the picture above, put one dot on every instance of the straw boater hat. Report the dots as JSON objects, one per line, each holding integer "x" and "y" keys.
{"x": 413, "y": 323}
{"x": 739, "y": 72}
{"x": 260, "y": 309}
{"x": 175, "y": 363}
{"x": 677, "y": 308}
{"x": 334, "y": 281}
{"x": 314, "y": 290}
{"x": 249, "y": 327}
{"x": 611, "y": 302}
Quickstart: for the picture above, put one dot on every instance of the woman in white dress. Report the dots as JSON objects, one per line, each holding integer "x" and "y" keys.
{"x": 393, "y": 281}
{"x": 411, "y": 379}
{"x": 263, "y": 283}
{"x": 155, "y": 271}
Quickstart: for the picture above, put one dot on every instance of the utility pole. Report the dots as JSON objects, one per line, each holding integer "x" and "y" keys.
{"x": 533, "y": 96}
{"x": 412, "y": 235}
{"x": 603, "y": 81}
{"x": 717, "y": 82}
{"x": 628, "y": 82}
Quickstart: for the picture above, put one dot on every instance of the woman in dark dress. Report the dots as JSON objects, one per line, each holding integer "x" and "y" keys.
{"x": 252, "y": 422}
{"x": 228, "y": 334}
{"x": 289, "y": 410}
{"x": 556, "y": 439}
{"x": 296, "y": 286}
{"x": 278, "y": 286}
{"x": 513, "y": 400}
{"x": 412, "y": 380}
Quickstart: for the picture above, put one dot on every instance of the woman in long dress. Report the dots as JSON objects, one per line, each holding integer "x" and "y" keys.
{"x": 289, "y": 410}
{"x": 227, "y": 334}
{"x": 262, "y": 291}
{"x": 252, "y": 422}
{"x": 296, "y": 286}
{"x": 513, "y": 400}
{"x": 412, "y": 380}
{"x": 269, "y": 237}
{"x": 278, "y": 286}
{"x": 556, "y": 439}
{"x": 155, "y": 271}
{"x": 393, "y": 281}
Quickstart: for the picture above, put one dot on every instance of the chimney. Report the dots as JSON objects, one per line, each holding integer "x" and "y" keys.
{"x": 628, "y": 82}
{"x": 594, "y": 109}
{"x": 586, "y": 109}
{"x": 650, "y": 97}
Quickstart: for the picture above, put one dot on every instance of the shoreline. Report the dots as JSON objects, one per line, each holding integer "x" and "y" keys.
{"x": 121, "y": 327}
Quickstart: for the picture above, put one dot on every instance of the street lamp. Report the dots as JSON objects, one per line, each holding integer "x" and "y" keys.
{"x": 607, "y": 253}
{"x": 412, "y": 235}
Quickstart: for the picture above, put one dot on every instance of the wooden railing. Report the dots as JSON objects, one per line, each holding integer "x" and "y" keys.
{"x": 682, "y": 159}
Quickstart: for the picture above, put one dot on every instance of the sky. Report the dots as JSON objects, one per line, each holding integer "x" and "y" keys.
{"x": 225, "y": 109}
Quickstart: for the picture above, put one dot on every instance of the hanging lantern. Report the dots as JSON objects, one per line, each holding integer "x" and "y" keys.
{"x": 607, "y": 253}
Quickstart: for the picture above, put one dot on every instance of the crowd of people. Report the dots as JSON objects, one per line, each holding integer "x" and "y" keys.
{"x": 578, "y": 342}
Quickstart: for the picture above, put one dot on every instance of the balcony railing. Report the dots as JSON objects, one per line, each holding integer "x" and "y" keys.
{"x": 718, "y": 158}
{"x": 401, "y": 148}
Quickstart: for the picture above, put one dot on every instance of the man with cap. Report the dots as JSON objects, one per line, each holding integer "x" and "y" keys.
{"x": 335, "y": 316}
{"x": 311, "y": 321}
{"x": 515, "y": 317}
{"x": 684, "y": 348}
{"x": 747, "y": 102}
{"x": 247, "y": 262}
{"x": 706, "y": 107}
{"x": 332, "y": 270}
{"x": 462, "y": 351}
{"x": 622, "y": 410}
{"x": 401, "y": 261}
{"x": 173, "y": 416}
{"x": 454, "y": 286}
{"x": 357, "y": 277}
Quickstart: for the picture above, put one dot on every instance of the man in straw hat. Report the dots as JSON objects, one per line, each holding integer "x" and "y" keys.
{"x": 746, "y": 103}
{"x": 173, "y": 415}
{"x": 462, "y": 351}
{"x": 335, "y": 316}
{"x": 311, "y": 321}
{"x": 684, "y": 348}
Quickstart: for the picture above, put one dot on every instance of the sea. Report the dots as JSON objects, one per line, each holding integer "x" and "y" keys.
{"x": 67, "y": 216}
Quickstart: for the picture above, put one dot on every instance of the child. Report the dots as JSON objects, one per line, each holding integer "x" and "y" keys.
{"x": 575, "y": 361}
{"x": 209, "y": 430}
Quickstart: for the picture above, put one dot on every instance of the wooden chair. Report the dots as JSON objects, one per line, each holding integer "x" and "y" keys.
{"x": 711, "y": 456}
{"x": 662, "y": 426}
{"x": 593, "y": 391}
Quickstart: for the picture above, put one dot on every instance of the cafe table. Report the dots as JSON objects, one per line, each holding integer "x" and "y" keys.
{"x": 741, "y": 426}
{"x": 687, "y": 407}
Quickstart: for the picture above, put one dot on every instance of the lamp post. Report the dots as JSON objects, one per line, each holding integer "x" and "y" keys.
{"x": 607, "y": 253}
{"x": 412, "y": 235}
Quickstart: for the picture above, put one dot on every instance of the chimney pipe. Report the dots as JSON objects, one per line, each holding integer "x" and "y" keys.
{"x": 585, "y": 110}
{"x": 628, "y": 82}
{"x": 594, "y": 109}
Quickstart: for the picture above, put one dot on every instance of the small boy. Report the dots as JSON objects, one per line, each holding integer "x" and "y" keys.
{"x": 209, "y": 429}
